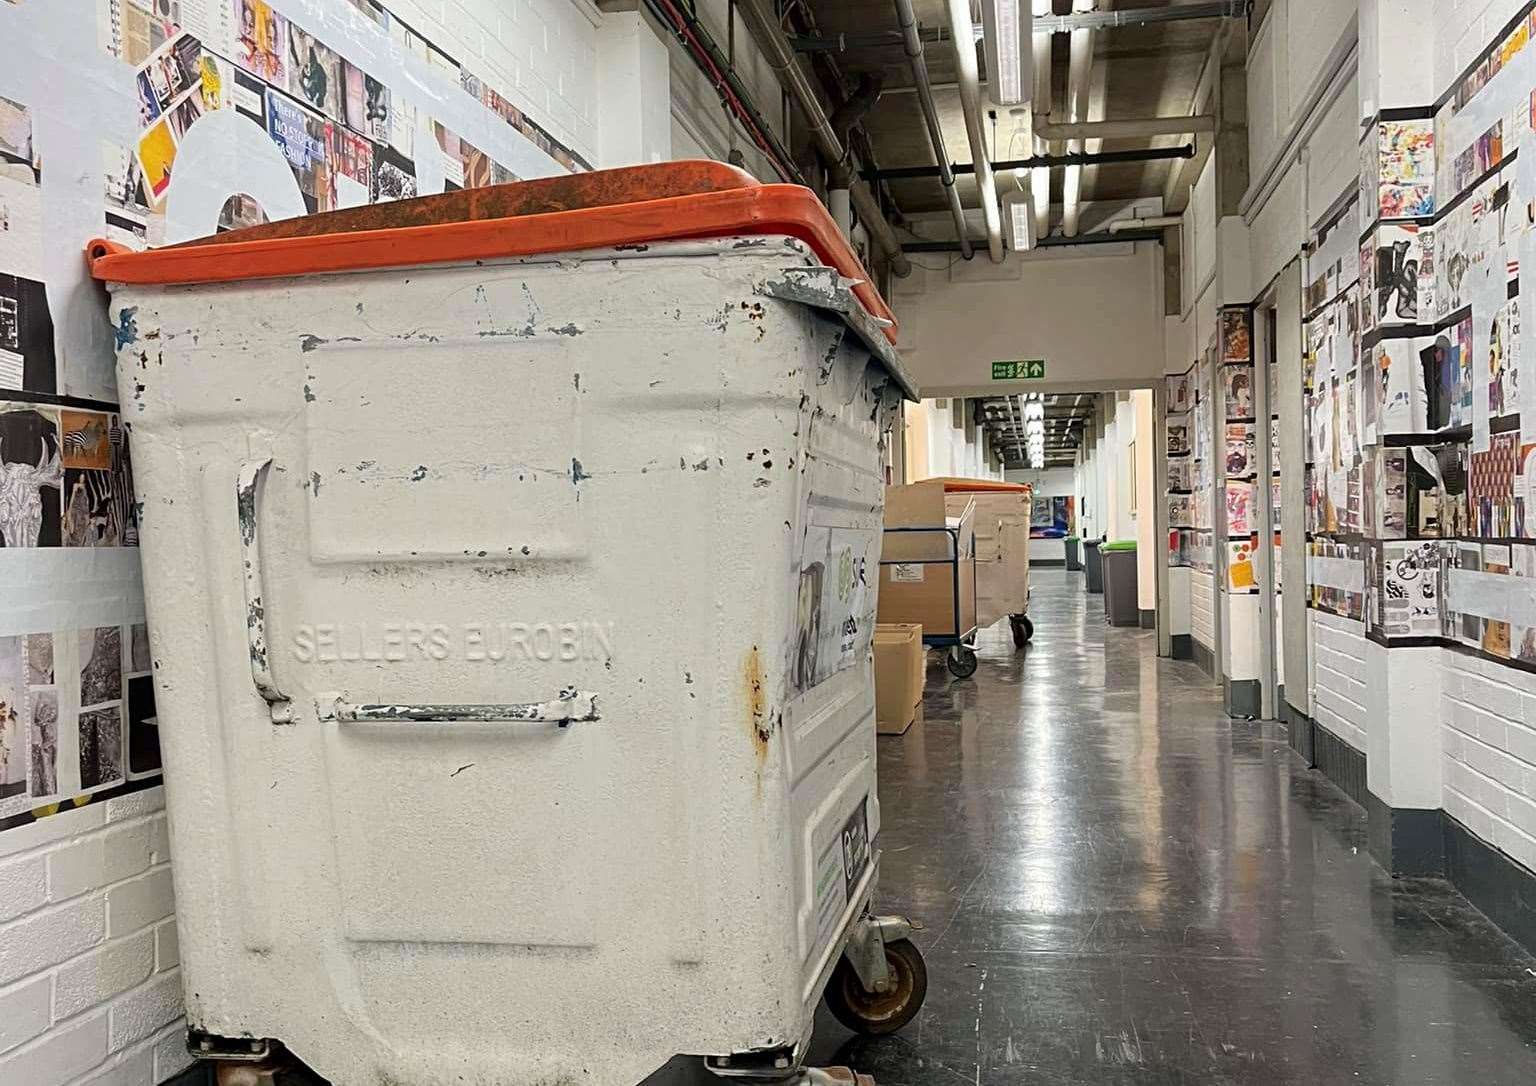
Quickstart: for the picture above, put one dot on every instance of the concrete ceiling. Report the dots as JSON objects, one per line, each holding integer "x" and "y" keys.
{"x": 1139, "y": 71}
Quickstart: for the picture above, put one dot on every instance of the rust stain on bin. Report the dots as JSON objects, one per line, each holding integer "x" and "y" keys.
{"x": 757, "y": 703}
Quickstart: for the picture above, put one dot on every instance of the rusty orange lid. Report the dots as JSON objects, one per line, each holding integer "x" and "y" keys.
{"x": 956, "y": 485}
{"x": 631, "y": 206}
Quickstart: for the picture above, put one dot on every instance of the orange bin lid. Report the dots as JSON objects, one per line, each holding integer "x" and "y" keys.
{"x": 601, "y": 209}
{"x": 956, "y": 485}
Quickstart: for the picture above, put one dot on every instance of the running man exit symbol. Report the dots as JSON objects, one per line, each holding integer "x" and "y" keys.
{"x": 1019, "y": 369}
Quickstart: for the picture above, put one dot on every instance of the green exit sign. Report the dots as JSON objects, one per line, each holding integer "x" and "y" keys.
{"x": 1019, "y": 369}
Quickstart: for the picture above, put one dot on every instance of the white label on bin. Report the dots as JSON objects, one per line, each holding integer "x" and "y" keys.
{"x": 907, "y": 571}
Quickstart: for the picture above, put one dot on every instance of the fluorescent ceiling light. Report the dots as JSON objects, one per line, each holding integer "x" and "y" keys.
{"x": 1006, "y": 29}
{"x": 1020, "y": 220}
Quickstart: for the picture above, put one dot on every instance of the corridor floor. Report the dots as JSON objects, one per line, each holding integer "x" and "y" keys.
{"x": 1118, "y": 884}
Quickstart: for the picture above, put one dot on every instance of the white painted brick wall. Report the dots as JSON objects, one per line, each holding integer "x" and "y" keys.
{"x": 90, "y": 989}
{"x": 1202, "y": 608}
{"x": 1488, "y": 750}
{"x": 1463, "y": 28}
{"x": 540, "y": 54}
{"x": 1338, "y": 696}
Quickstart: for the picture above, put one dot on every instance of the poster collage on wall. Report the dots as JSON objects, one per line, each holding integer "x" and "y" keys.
{"x": 76, "y": 701}
{"x": 1239, "y": 461}
{"x": 1188, "y": 464}
{"x": 346, "y": 137}
{"x": 1419, "y": 464}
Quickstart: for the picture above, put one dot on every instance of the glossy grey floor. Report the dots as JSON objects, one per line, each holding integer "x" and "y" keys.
{"x": 1119, "y": 884}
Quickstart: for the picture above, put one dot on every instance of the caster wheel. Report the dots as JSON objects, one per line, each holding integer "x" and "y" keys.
{"x": 961, "y": 662}
{"x": 875, "y": 1014}
{"x": 1023, "y": 630}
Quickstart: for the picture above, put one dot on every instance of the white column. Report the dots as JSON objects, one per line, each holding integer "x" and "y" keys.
{"x": 634, "y": 92}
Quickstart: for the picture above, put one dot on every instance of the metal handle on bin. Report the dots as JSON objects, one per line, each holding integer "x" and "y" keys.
{"x": 246, "y": 486}
{"x": 568, "y": 707}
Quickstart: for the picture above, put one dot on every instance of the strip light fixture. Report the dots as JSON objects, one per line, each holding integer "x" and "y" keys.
{"x": 1007, "y": 27}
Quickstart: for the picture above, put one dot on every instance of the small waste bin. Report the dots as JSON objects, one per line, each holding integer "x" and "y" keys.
{"x": 513, "y": 554}
{"x": 1121, "y": 605}
{"x": 1093, "y": 566}
{"x": 1074, "y": 559}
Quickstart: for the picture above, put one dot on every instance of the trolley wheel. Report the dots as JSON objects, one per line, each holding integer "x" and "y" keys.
{"x": 961, "y": 662}
{"x": 875, "y": 1014}
{"x": 1023, "y": 630}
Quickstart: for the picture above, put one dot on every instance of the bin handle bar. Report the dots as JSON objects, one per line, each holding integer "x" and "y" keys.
{"x": 246, "y": 487}
{"x": 570, "y": 706}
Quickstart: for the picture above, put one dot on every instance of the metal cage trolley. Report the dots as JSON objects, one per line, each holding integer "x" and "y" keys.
{"x": 960, "y": 642}
{"x": 505, "y": 555}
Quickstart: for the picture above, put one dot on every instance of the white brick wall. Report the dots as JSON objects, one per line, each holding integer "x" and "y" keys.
{"x": 1338, "y": 696}
{"x": 540, "y": 54}
{"x": 1202, "y": 607}
{"x": 1463, "y": 28}
{"x": 1488, "y": 752}
{"x": 90, "y": 985}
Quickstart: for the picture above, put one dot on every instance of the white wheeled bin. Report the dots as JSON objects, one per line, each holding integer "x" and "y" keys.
{"x": 510, "y": 557}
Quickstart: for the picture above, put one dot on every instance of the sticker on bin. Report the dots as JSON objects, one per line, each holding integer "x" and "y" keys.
{"x": 907, "y": 571}
{"x": 839, "y": 871}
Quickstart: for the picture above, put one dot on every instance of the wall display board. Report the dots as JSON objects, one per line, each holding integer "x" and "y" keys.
{"x": 1183, "y": 515}
{"x": 1241, "y": 490}
{"x": 1419, "y": 408}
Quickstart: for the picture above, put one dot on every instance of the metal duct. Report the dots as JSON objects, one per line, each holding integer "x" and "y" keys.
{"x": 765, "y": 30}
{"x": 964, "y": 42}
{"x": 919, "y": 66}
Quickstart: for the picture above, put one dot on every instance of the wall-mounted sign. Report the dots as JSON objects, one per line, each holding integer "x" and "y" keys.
{"x": 1019, "y": 369}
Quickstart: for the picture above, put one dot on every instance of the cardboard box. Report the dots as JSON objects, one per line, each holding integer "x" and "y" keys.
{"x": 1002, "y": 550}
{"x": 917, "y": 578}
{"x": 899, "y": 677}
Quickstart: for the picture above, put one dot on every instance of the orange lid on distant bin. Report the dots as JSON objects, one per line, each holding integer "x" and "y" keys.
{"x": 601, "y": 209}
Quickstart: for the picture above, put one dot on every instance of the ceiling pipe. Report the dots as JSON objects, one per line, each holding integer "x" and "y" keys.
{"x": 1040, "y": 176}
{"x": 769, "y": 37}
{"x": 1120, "y": 226}
{"x": 919, "y": 66}
{"x": 1128, "y": 128}
{"x": 1053, "y": 242}
{"x": 1150, "y": 154}
{"x": 1044, "y": 22}
{"x": 1079, "y": 64}
{"x": 970, "y": 101}
{"x": 844, "y": 117}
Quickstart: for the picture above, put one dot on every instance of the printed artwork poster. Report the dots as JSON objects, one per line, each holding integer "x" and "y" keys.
{"x": 1491, "y": 487}
{"x": 14, "y": 727}
{"x": 31, "y": 476}
{"x": 1180, "y": 393}
{"x": 835, "y": 604}
{"x": 1523, "y": 638}
{"x": 156, "y": 153}
{"x": 304, "y": 140}
{"x": 1496, "y": 633}
{"x": 1241, "y": 576}
{"x": 1240, "y": 449}
{"x": 1178, "y": 439}
{"x": 1239, "y": 501}
{"x": 1407, "y": 168}
{"x": 1236, "y": 342}
{"x": 261, "y": 41}
{"x": 366, "y": 103}
{"x": 315, "y": 74}
{"x": 1237, "y": 391}
{"x": 394, "y": 175}
{"x": 27, "y": 359}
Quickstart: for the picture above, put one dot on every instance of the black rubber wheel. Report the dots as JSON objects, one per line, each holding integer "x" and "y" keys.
{"x": 961, "y": 662}
{"x": 1029, "y": 629}
{"x": 1023, "y": 630}
{"x": 872, "y": 1013}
